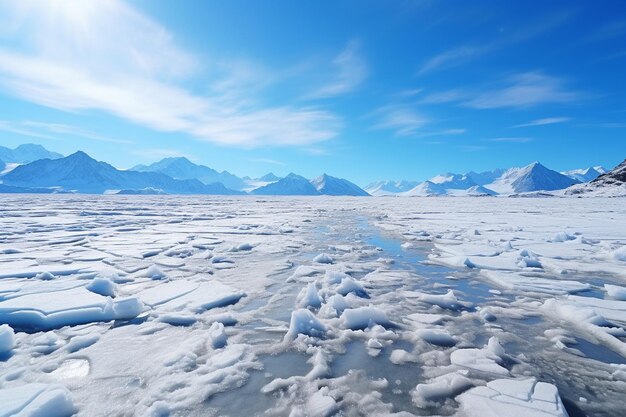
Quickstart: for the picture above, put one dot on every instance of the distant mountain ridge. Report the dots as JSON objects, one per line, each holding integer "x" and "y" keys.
{"x": 51, "y": 172}
{"x": 389, "y": 187}
{"x": 26, "y": 153}
{"x": 608, "y": 184}
{"x": 181, "y": 168}
{"x": 585, "y": 174}
{"x": 81, "y": 173}
{"x": 533, "y": 177}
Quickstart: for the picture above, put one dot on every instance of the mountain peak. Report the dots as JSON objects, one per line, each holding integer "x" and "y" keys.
{"x": 269, "y": 177}
{"x": 174, "y": 159}
{"x": 535, "y": 165}
{"x": 30, "y": 147}
{"x": 80, "y": 155}
{"x": 294, "y": 176}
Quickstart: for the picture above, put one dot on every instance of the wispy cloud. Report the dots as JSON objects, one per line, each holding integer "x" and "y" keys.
{"x": 54, "y": 54}
{"x": 19, "y": 129}
{"x": 267, "y": 161}
{"x": 511, "y": 139}
{"x": 522, "y": 90}
{"x": 545, "y": 121}
{"x": 410, "y": 92}
{"x": 53, "y": 131}
{"x": 525, "y": 90}
{"x": 403, "y": 120}
{"x": 350, "y": 72}
{"x": 317, "y": 151}
{"x": 452, "y": 58}
{"x": 465, "y": 53}
{"x": 443, "y": 132}
{"x": 445, "y": 97}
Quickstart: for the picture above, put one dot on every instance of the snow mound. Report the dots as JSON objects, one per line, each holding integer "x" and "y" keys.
{"x": 350, "y": 285}
{"x": 323, "y": 258}
{"x": 102, "y": 286}
{"x": 364, "y": 317}
{"x": 616, "y": 292}
{"x": 154, "y": 272}
{"x": 217, "y": 335}
{"x": 440, "y": 389}
{"x": 7, "y": 339}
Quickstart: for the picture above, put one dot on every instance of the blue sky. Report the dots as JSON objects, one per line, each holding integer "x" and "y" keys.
{"x": 364, "y": 90}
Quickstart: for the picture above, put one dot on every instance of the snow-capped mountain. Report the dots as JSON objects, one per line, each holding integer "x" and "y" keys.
{"x": 269, "y": 177}
{"x": 425, "y": 189}
{"x": 26, "y": 153}
{"x": 616, "y": 176}
{"x": 81, "y": 173}
{"x": 181, "y": 168}
{"x": 609, "y": 184}
{"x": 585, "y": 174}
{"x": 451, "y": 181}
{"x": 473, "y": 191}
{"x": 533, "y": 177}
{"x": 328, "y": 185}
{"x": 389, "y": 187}
{"x": 292, "y": 184}
{"x": 486, "y": 177}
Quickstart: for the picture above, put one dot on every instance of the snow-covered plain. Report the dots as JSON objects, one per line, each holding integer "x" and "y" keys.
{"x": 312, "y": 306}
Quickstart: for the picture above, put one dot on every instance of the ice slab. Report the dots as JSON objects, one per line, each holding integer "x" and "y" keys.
{"x": 510, "y": 397}
{"x": 43, "y": 310}
{"x": 489, "y": 359}
{"x": 36, "y": 400}
{"x": 521, "y": 282}
{"x": 194, "y": 296}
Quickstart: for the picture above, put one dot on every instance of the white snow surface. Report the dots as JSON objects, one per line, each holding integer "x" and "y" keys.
{"x": 184, "y": 306}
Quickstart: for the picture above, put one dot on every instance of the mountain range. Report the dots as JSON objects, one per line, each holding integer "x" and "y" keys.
{"x": 33, "y": 169}
{"x": 81, "y": 173}
{"x": 609, "y": 184}
{"x": 181, "y": 168}
{"x": 26, "y": 153}
{"x": 531, "y": 178}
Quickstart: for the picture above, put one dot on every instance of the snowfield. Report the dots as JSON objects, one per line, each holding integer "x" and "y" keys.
{"x": 312, "y": 306}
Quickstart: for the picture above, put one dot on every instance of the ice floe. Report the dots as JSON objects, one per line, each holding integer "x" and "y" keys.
{"x": 510, "y": 397}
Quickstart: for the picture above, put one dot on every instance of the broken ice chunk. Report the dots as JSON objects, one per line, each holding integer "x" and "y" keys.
{"x": 36, "y": 400}
{"x": 508, "y": 397}
{"x": 304, "y": 322}
{"x": 323, "y": 258}
{"x": 364, "y": 317}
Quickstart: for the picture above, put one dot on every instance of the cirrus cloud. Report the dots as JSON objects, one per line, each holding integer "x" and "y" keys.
{"x": 54, "y": 55}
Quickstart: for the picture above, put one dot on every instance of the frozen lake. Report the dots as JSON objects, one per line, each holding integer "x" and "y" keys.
{"x": 241, "y": 306}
